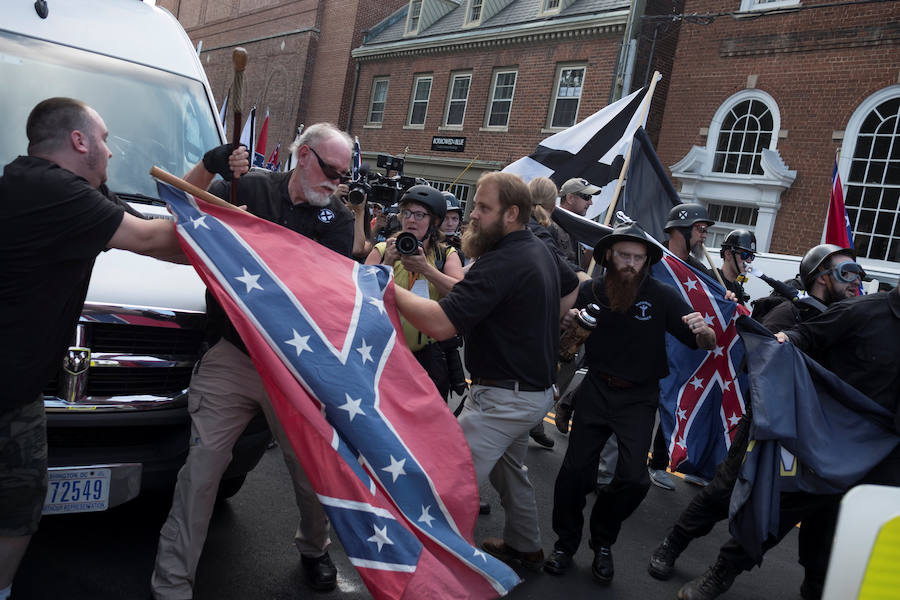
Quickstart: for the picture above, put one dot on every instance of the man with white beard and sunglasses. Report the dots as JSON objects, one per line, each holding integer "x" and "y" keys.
{"x": 226, "y": 391}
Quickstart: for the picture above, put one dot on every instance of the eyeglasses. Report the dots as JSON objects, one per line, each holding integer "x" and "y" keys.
{"x": 848, "y": 272}
{"x": 417, "y": 215}
{"x": 701, "y": 228}
{"x": 329, "y": 171}
{"x": 629, "y": 257}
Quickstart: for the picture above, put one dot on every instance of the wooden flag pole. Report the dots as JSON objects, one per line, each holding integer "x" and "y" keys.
{"x": 644, "y": 110}
{"x": 190, "y": 188}
{"x": 239, "y": 58}
{"x": 471, "y": 162}
{"x": 713, "y": 267}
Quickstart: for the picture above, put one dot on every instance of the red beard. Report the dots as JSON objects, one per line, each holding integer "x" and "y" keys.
{"x": 475, "y": 243}
{"x": 621, "y": 289}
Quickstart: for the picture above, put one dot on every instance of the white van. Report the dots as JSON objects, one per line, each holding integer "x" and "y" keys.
{"x": 117, "y": 410}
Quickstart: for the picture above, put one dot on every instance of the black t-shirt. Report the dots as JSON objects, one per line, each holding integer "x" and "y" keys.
{"x": 266, "y": 196}
{"x": 53, "y": 224}
{"x": 632, "y": 344}
{"x": 507, "y": 307}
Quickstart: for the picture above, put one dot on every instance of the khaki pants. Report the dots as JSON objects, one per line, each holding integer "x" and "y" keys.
{"x": 226, "y": 393}
{"x": 496, "y": 422}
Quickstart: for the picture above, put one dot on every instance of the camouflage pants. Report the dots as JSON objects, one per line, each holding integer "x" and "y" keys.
{"x": 23, "y": 468}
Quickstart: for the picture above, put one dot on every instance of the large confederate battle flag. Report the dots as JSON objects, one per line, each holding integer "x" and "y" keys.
{"x": 387, "y": 459}
{"x": 702, "y": 399}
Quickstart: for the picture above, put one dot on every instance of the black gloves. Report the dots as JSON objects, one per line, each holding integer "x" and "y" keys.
{"x": 216, "y": 161}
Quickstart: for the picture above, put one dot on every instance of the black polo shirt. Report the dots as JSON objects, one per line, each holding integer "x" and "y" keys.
{"x": 632, "y": 344}
{"x": 266, "y": 195}
{"x": 507, "y": 307}
{"x": 53, "y": 224}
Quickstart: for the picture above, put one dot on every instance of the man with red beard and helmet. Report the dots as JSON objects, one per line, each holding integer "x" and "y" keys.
{"x": 508, "y": 309}
{"x": 626, "y": 358}
{"x": 226, "y": 391}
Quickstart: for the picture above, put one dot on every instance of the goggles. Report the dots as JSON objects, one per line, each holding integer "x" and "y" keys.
{"x": 847, "y": 272}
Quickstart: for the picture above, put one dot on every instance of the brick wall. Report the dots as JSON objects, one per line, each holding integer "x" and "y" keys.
{"x": 536, "y": 63}
{"x": 818, "y": 65}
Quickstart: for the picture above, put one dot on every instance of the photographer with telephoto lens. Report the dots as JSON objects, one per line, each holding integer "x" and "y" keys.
{"x": 423, "y": 264}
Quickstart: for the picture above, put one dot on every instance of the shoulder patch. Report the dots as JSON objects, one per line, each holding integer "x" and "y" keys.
{"x": 326, "y": 215}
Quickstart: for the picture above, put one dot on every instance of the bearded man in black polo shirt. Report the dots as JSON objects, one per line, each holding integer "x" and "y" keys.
{"x": 626, "y": 358}
{"x": 56, "y": 216}
{"x": 508, "y": 308}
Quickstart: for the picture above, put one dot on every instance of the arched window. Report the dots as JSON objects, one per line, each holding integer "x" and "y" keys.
{"x": 738, "y": 175}
{"x": 747, "y": 128}
{"x": 870, "y": 164}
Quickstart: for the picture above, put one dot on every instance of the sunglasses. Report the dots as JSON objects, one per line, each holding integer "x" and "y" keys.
{"x": 329, "y": 171}
{"x": 848, "y": 272}
{"x": 586, "y": 196}
{"x": 746, "y": 256}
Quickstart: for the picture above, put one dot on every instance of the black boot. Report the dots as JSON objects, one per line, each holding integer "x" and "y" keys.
{"x": 602, "y": 567}
{"x": 320, "y": 572}
{"x": 662, "y": 561}
{"x": 711, "y": 584}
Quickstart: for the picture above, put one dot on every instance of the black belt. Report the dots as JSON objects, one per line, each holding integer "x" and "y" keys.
{"x": 507, "y": 384}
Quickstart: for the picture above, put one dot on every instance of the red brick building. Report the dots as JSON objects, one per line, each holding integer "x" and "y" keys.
{"x": 451, "y": 84}
{"x": 300, "y": 67}
{"x": 763, "y": 94}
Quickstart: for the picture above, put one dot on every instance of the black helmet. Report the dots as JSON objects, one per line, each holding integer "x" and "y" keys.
{"x": 739, "y": 239}
{"x": 452, "y": 202}
{"x": 815, "y": 257}
{"x": 427, "y": 196}
{"x": 632, "y": 232}
{"x": 686, "y": 215}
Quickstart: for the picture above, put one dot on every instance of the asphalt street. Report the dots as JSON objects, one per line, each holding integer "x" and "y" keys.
{"x": 249, "y": 553}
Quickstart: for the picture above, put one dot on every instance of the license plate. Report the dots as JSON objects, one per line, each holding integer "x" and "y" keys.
{"x": 77, "y": 490}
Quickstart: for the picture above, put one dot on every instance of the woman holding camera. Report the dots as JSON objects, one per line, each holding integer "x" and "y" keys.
{"x": 423, "y": 264}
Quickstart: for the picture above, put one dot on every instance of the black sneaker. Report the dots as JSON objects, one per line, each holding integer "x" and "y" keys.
{"x": 711, "y": 584}
{"x": 558, "y": 563}
{"x": 543, "y": 439}
{"x": 602, "y": 567}
{"x": 321, "y": 574}
{"x": 662, "y": 561}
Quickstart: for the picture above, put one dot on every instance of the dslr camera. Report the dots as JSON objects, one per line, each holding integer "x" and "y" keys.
{"x": 407, "y": 243}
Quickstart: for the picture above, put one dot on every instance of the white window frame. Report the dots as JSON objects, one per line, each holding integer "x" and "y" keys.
{"x": 715, "y": 128}
{"x": 556, "y": 97}
{"x": 848, "y": 147}
{"x": 465, "y": 101}
{"x": 699, "y": 183}
{"x": 763, "y": 5}
{"x": 410, "y": 28}
{"x": 492, "y": 99}
{"x": 546, "y": 9}
{"x": 413, "y": 101}
{"x": 375, "y": 82}
{"x": 470, "y": 6}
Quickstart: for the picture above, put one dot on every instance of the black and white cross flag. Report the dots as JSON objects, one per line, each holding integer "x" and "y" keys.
{"x": 593, "y": 149}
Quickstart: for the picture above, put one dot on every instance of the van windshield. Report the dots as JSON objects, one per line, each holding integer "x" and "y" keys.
{"x": 154, "y": 117}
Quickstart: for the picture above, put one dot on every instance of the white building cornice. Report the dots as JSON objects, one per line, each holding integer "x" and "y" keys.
{"x": 536, "y": 31}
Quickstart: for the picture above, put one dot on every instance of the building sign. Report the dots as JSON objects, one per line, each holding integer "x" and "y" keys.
{"x": 448, "y": 144}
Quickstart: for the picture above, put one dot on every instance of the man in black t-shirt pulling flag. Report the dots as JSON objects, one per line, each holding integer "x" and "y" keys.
{"x": 56, "y": 216}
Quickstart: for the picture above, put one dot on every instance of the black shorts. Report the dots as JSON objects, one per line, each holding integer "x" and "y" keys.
{"x": 23, "y": 468}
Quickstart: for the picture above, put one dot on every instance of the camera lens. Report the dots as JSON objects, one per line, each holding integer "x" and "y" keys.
{"x": 407, "y": 243}
{"x": 356, "y": 196}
